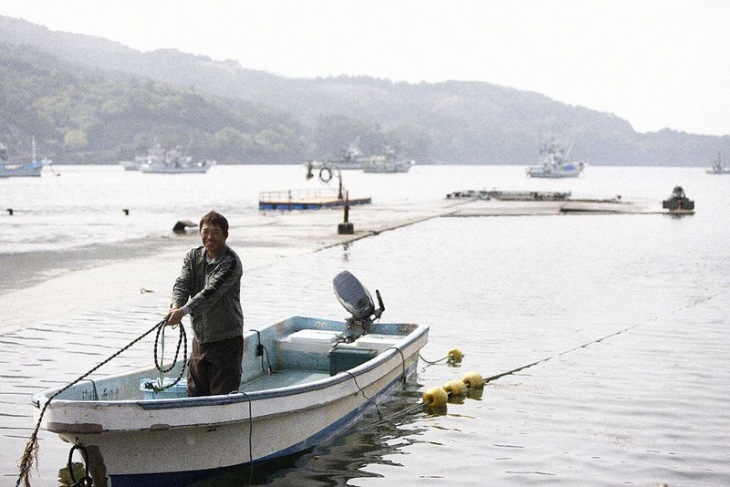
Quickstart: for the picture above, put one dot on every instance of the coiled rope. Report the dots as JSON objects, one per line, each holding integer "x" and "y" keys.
{"x": 31, "y": 448}
{"x": 85, "y": 480}
{"x": 182, "y": 340}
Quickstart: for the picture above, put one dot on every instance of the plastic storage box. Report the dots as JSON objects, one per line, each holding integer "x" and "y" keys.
{"x": 347, "y": 358}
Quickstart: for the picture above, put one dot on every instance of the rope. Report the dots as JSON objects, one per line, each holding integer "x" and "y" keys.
{"x": 414, "y": 408}
{"x": 696, "y": 302}
{"x": 31, "y": 448}
{"x": 510, "y": 372}
{"x": 182, "y": 340}
{"x": 85, "y": 480}
{"x": 377, "y": 409}
{"x": 432, "y": 362}
{"x": 402, "y": 362}
{"x": 261, "y": 350}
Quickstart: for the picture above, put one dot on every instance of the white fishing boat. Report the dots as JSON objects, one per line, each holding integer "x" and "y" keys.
{"x": 22, "y": 169}
{"x": 135, "y": 164}
{"x": 173, "y": 161}
{"x": 718, "y": 167}
{"x": 555, "y": 163}
{"x": 387, "y": 163}
{"x": 305, "y": 380}
{"x": 351, "y": 158}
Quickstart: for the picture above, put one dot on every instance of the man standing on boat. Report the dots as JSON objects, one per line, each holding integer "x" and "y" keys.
{"x": 209, "y": 289}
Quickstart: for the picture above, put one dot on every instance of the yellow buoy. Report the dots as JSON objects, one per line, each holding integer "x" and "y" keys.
{"x": 435, "y": 396}
{"x": 454, "y": 356}
{"x": 455, "y": 388}
{"x": 473, "y": 380}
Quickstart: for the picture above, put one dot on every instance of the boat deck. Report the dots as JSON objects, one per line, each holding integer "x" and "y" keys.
{"x": 283, "y": 378}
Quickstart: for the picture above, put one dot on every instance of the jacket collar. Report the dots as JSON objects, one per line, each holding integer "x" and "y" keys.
{"x": 204, "y": 254}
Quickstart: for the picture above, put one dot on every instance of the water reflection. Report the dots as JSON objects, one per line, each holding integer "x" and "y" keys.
{"x": 352, "y": 454}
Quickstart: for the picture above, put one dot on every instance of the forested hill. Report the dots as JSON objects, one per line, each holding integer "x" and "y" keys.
{"x": 87, "y": 99}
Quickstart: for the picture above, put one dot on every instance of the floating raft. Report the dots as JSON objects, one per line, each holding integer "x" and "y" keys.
{"x": 305, "y": 200}
{"x": 509, "y": 195}
{"x": 492, "y": 203}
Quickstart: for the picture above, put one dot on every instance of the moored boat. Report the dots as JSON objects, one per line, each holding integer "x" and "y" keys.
{"x": 135, "y": 164}
{"x": 718, "y": 167}
{"x": 23, "y": 169}
{"x": 305, "y": 380}
{"x": 351, "y": 158}
{"x": 172, "y": 161}
{"x": 555, "y": 163}
{"x": 387, "y": 163}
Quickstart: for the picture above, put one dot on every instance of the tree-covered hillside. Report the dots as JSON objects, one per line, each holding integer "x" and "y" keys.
{"x": 76, "y": 113}
{"x": 88, "y": 99}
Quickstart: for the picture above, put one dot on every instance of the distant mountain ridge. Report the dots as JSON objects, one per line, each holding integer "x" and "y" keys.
{"x": 270, "y": 118}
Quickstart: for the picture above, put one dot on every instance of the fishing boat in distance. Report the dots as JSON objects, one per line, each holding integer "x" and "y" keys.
{"x": 555, "y": 163}
{"x": 718, "y": 167}
{"x": 167, "y": 161}
{"x": 22, "y": 169}
{"x": 351, "y": 158}
{"x": 304, "y": 381}
{"x": 135, "y": 164}
{"x": 387, "y": 163}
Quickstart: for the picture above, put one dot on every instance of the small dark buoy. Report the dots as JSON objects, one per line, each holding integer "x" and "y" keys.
{"x": 181, "y": 225}
{"x": 10, "y": 211}
{"x": 126, "y": 211}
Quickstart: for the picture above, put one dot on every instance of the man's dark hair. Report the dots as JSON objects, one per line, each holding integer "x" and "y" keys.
{"x": 215, "y": 218}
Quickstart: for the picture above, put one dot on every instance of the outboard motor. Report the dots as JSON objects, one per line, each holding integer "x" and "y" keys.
{"x": 358, "y": 302}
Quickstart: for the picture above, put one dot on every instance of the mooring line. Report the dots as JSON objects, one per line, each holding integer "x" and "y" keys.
{"x": 606, "y": 337}
{"x": 564, "y": 352}
{"x": 31, "y": 448}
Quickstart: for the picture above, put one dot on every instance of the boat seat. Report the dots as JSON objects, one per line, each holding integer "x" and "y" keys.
{"x": 307, "y": 349}
{"x": 373, "y": 341}
{"x": 311, "y": 341}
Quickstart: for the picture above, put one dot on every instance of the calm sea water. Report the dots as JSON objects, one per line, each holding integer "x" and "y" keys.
{"x": 625, "y": 318}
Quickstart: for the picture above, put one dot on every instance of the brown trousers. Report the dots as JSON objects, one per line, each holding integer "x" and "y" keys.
{"x": 215, "y": 368}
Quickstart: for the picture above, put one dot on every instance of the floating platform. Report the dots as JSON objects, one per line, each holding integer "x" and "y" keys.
{"x": 509, "y": 195}
{"x": 494, "y": 203}
{"x": 305, "y": 200}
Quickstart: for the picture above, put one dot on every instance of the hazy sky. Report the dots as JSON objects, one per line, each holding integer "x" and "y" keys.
{"x": 656, "y": 63}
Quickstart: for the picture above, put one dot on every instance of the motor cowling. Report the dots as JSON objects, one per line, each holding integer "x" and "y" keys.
{"x": 357, "y": 300}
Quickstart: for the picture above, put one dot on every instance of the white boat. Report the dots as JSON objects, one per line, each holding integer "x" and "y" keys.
{"x": 172, "y": 161}
{"x": 135, "y": 164}
{"x": 351, "y": 158}
{"x": 23, "y": 169}
{"x": 305, "y": 380}
{"x": 555, "y": 164}
{"x": 717, "y": 167}
{"x": 387, "y": 163}
{"x": 183, "y": 166}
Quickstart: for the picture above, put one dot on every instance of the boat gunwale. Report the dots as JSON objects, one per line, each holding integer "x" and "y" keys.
{"x": 237, "y": 396}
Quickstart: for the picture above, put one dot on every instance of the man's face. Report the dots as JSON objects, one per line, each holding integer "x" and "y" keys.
{"x": 213, "y": 238}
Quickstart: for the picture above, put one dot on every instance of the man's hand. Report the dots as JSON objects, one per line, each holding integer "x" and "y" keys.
{"x": 174, "y": 316}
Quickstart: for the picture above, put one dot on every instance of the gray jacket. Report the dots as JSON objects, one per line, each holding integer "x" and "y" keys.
{"x": 212, "y": 292}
